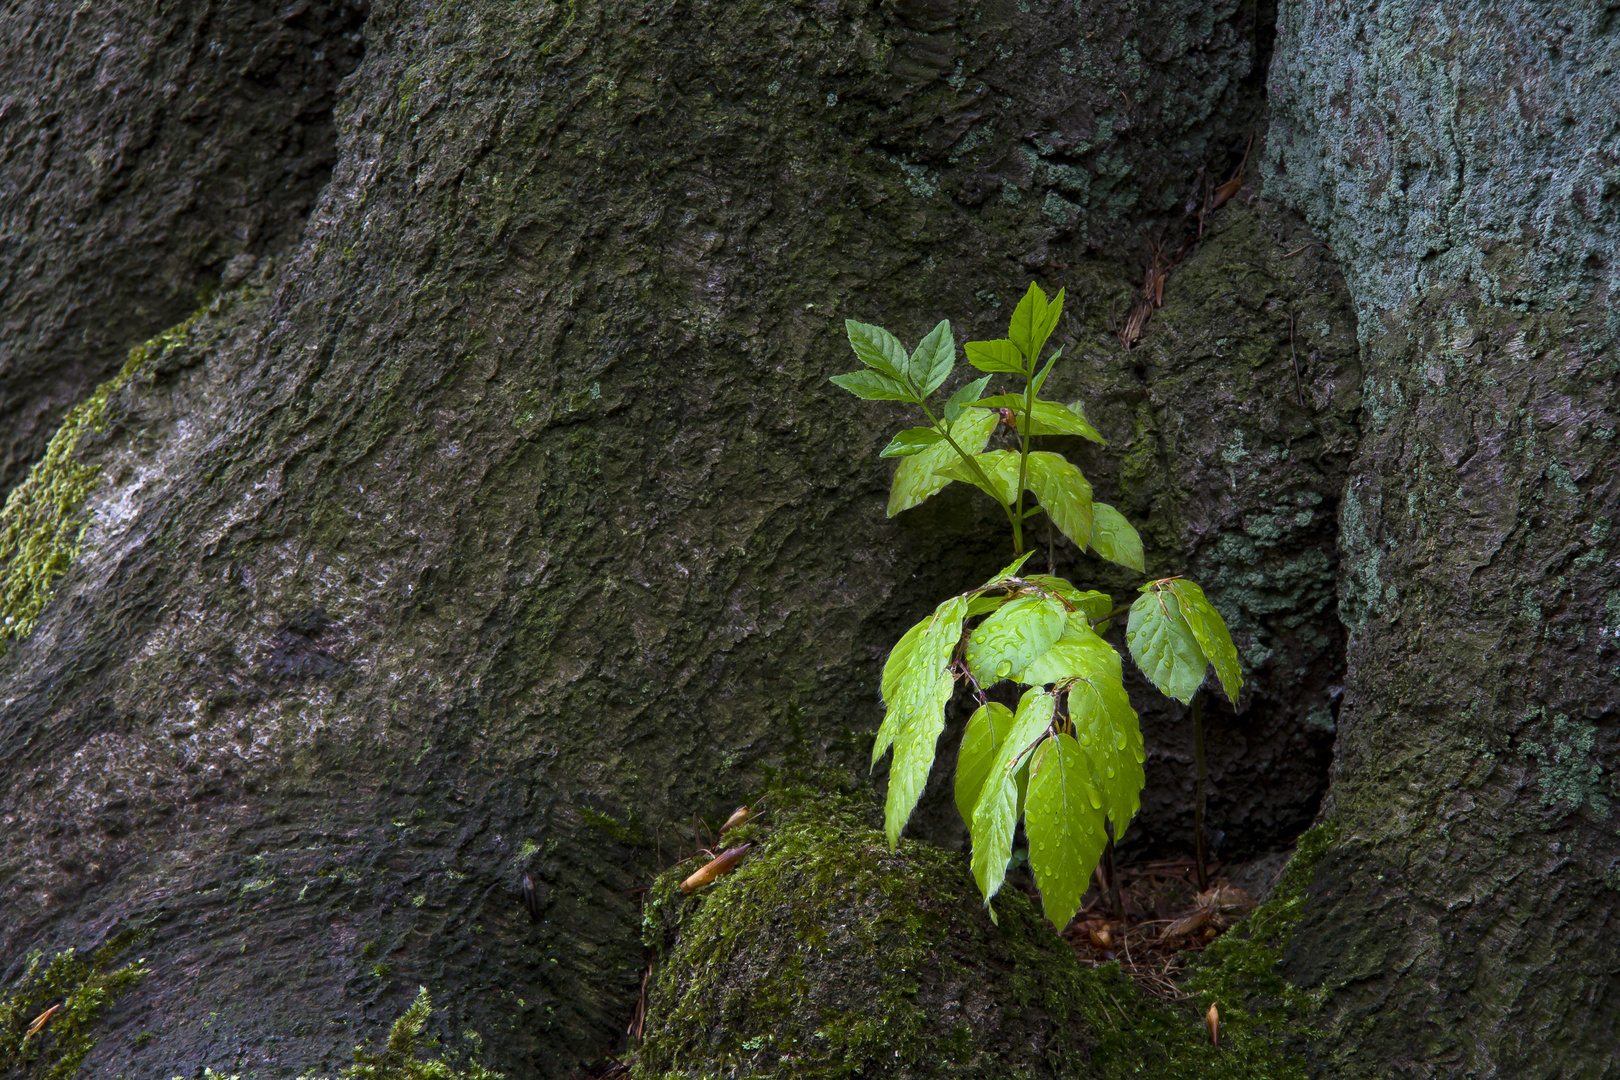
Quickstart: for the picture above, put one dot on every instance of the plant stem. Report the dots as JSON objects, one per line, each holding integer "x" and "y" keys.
{"x": 944, "y": 429}
{"x": 1197, "y": 711}
{"x": 1023, "y": 456}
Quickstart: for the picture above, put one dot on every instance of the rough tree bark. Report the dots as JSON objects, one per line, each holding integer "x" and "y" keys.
{"x": 508, "y": 521}
{"x": 1463, "y": 163}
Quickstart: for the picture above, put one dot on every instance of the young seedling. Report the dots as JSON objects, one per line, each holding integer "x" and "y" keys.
{"x": 1068, "y": 759}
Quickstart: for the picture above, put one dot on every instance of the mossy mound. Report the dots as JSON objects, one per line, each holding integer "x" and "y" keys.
{"x": 827, "y": 955}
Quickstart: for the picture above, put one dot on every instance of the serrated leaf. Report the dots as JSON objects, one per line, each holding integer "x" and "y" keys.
{"x": 1018, "y": 632}
{"x": 920, "y": 698}
{"x": 1063, "y": 819}
{"x": 963, "y": 397}
{"x": 995, "y": 356}
{"x": 1050, "y": 418}
{"x": 1079, "y": 409}
{"x": 916, "y": 479}
{"x": 996, "y": 813}
{"x": 1114, "y": 538}
{"x": 1033, "y": 320}
{"x": 1214, "y": 639}
{"x": 873, "y": 386}
{"x": 1092, "y": 603}
{"x": 1000, "y": 468}
{"x": 1110, "y": 734}
{"x": 1008, "y": 572}
{"x": 933, "y": 359}
{"x": 1065, "y": 494}
{"x": 1078, "y": 654}
{"x": 1163, "y": 645}
{"x": 877, "y": 348}
{"x": 986, "y": 731}
{"x": 912, "y": 441}
{"x": 1040, "y": 380}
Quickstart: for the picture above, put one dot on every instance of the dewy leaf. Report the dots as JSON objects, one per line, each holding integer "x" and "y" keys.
{"x": 874, "y": 386}
{"x": 1079, "y": 654}
{"x": 1163, "y": 645}
{"x": 920, "y": 699}
{"x": 1032, "y": 322}
{"x": 996, "y": 813}
{"x": 1214, "y": 639}
{"x": 960, "y": 400}
{"x": 1064, "y": 493}
{"x": 995, "y": 356}
{"x": 912, "y": 441}
{"x": 935, "y": 356}
{"x": 893, "y": 669}
{"x": 1063, "y": 818}
{"x": 1110, "y": 735}
{"x": 877, "y": 348}
{"x": 984, "y": 605}
{"x": 981, "y": 743}
{"x": 1018, "y": 632}
{"x": 916, "y": 479}
{"x": 1114, "y": 539}
{"x": 1000, "y": 467}
{"x": 1094, "y": 604}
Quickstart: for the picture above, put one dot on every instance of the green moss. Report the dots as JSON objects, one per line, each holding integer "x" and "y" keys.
{"x": 827, "y": 955}
{"x": 40, "y": 526}
{"x": 400, "y": 1059}
{"x": 82, "y": 989}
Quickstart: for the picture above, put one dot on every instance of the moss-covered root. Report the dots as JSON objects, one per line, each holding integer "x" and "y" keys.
{"x": 827, "y": 955}
{"x": 40, "y": 525}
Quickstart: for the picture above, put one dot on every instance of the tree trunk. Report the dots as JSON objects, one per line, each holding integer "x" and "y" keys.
{"x": 1462, "y": 163}
{"x": 508, "y": 521}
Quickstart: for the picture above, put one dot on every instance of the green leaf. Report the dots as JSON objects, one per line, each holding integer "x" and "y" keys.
{"x": 960, "y": 400}
{"x": 1079, "y": 654}
{"x": 996, "y": 812}
{"x": 1019, "y": 631}
{"x": 1114, "y": 539}
{"x": 1064, "y": 492}
{"x": 1214, "y": 639}
{"x": 912, "y": 441}
{"x": 877, "y": 348}
{"x": 1033, "y": 320}
{"x": 981, "y": 743}
{"x": 984, "y": 605}
{"x": 1008, "y": 572}
{"x": 874, "y": 386}
{"x": 1040, "y": 380}
{"x": 1094, "y": 604}
{"x": 1110, "y": 735}
{"x": 920, "y": 699}
{"x": 1064, "y": 821}
{"x": 1046, "y": 417}
{"x": 933, "y": 359}
{"x": 1163, "y": 645}
{"x": 995, "y": 356}
{"x": 916, "y": 479}
{"x": 893, "y": 669}
{"x": 1000, "y": 467}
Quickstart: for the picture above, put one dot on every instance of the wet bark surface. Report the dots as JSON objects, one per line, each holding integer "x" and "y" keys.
{"x": 142, "y": 147}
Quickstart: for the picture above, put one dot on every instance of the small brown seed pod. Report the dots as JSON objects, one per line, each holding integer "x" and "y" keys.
{"x": 721, "y": 864}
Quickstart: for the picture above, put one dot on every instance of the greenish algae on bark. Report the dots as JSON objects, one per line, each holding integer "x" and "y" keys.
{"x": 826, "y": 955}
